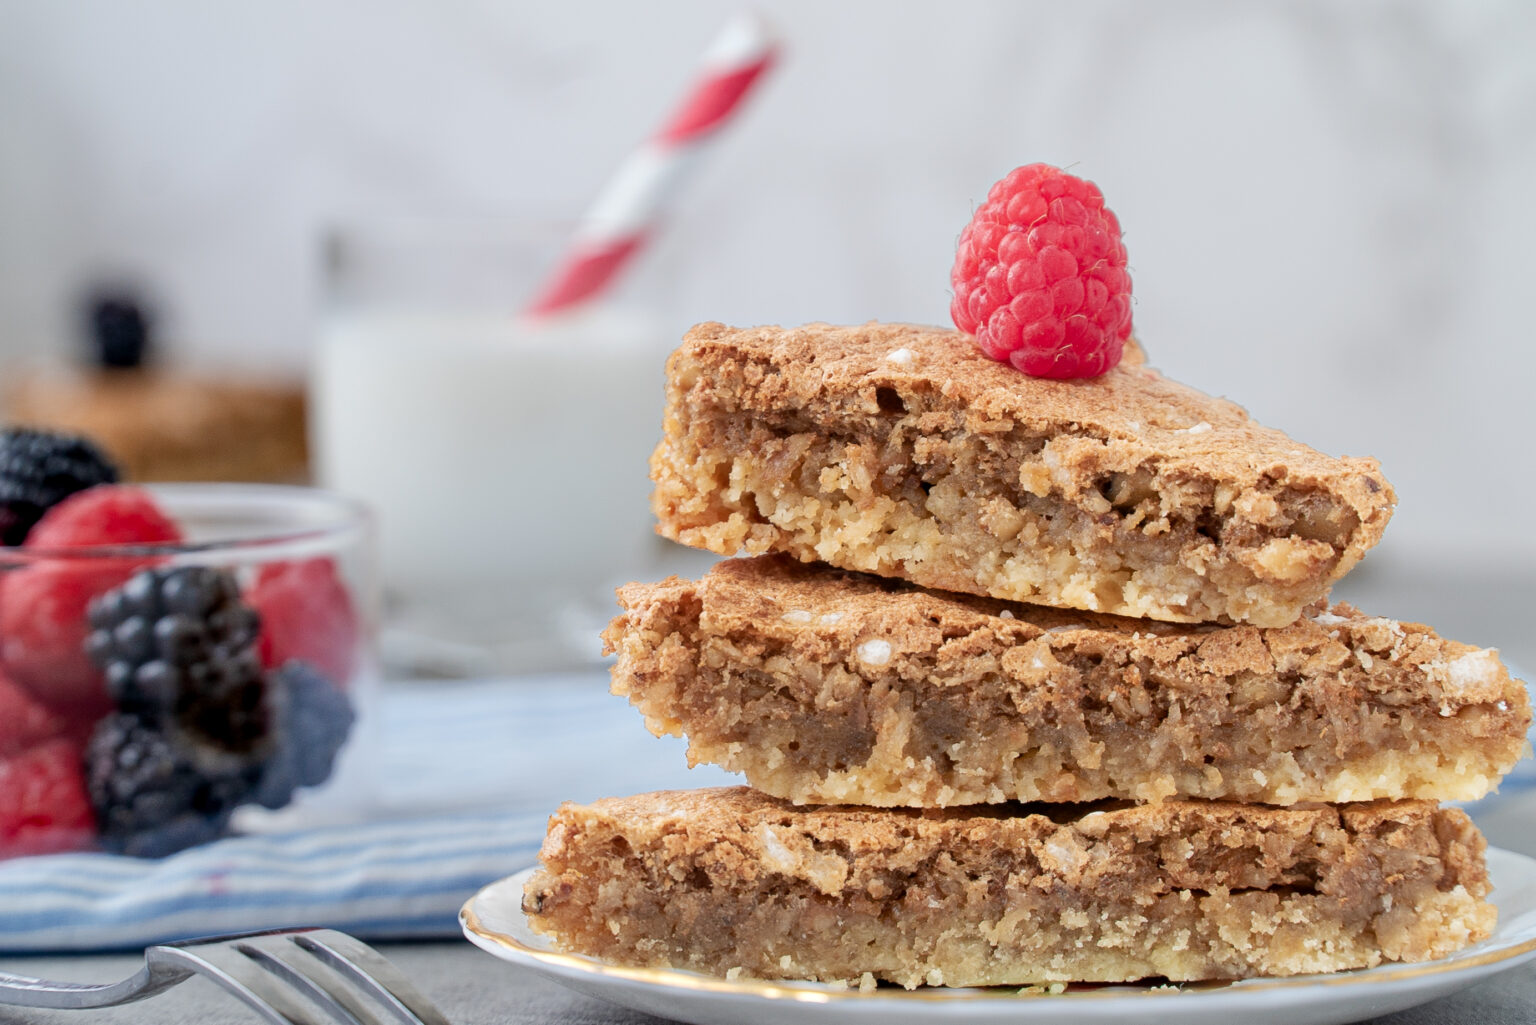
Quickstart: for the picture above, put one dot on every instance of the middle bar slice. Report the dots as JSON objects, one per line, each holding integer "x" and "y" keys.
{"x": 825, "y": 686}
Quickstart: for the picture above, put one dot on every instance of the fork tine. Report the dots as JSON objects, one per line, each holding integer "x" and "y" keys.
{"x": 305, "y": 973}
{"x": 367, "y": 969}
{"x": 274, "y": 973}
{"x": 238, "y": 974}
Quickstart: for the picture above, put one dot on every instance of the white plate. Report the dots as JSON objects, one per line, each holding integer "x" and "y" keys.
{"x": 494, "y": 920}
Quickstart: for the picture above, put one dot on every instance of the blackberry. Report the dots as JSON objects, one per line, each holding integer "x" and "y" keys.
{"x": 155, "y": 791}
{"x": 311, "y": 719}
{"x": 119, "y": 330}
{"x": 178, "y": 644}
{"x": 38, "y": 470}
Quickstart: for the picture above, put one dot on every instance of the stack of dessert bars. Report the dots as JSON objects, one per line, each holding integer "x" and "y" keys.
{"x": 1033, "y": 681}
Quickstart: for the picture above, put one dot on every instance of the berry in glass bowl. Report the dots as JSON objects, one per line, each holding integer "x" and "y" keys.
{"x": 173, "y": 654}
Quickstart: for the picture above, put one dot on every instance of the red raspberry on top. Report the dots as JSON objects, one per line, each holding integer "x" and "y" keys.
{"x": 1040, "y": 276}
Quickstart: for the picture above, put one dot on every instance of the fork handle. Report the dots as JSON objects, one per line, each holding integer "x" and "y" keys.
{"x": 24, "y": 991}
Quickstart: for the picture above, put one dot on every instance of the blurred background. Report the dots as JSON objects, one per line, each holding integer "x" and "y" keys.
{"x": 1328, "y": 209}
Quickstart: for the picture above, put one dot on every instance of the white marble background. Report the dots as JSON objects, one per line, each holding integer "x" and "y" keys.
{"x": 1328, "y": 206}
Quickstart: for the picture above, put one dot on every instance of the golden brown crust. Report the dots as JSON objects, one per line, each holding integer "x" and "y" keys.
{"x": 825, "y": 686}
{"x": 903, "y": 451}
{"x": 715, "y": 880}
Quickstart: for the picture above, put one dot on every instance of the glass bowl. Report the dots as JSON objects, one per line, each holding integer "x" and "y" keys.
{"x": 149, "y": 693}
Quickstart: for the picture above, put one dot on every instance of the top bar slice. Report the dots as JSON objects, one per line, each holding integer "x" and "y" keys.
{"x": 903, "y": 451}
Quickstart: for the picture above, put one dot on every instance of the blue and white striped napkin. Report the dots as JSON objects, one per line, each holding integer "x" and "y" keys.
{"x": 465, "y": 775}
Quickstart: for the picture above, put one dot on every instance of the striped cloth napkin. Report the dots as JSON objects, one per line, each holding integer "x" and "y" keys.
{"x": 464, "y": 777}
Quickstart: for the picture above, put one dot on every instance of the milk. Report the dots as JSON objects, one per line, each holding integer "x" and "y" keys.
{"x": 506, "y": 463}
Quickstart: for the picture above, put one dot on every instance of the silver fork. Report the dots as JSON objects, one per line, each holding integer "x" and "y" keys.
{"x": 288, "y": 976}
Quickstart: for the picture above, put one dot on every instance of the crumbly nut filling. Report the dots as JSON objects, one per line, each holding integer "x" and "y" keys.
{"x": 732, "y": 881}
{"x": 829, "y": 687}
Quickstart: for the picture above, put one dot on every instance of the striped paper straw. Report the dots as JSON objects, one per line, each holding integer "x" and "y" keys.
{"x": 629, "y": 209}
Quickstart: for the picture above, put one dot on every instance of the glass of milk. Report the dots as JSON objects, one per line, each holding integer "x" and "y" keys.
{"x": 505, "y": 459}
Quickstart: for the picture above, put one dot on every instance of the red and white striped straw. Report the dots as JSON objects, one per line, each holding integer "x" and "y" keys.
{"x": 629, "y": 208}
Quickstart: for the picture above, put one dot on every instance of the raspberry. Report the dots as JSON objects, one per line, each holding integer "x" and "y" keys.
{"x": 1040, "y": 276}
{"x": 43, "y": 803}
{"x": 24, "y": 721}
{"x": 43, "y": 604}
{"x": 306, "y": 614}
{"x": 108, "y": 515}
{"x": 42, "y": 628}
{"x": 38, "y": 470}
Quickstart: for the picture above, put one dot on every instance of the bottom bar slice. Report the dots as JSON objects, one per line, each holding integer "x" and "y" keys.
{"x": 731, "y": 881}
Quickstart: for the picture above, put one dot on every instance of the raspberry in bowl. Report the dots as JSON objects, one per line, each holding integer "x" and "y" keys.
{"x": 178, "y": 657}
